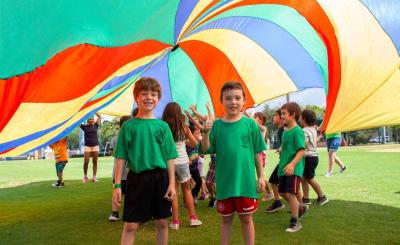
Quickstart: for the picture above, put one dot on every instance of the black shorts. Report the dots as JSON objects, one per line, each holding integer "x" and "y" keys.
{"x": 123, "y": 186}
{"x": 310, "y": 164}
{"x": 289, "y": 184}
{"x": 144, "y": 196}
{"x": 274, "y": 179}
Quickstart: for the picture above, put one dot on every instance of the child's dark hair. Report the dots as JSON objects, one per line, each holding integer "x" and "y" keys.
{"x": 123, "y": 119}
{"x": 309, "y": 117}
{"x": 262, "y": 116}
{"x": 176, "y": 120}
{"x": 278, "y": 112}
{"x": 231, "y": 85}
{"x": 147, "y": 83}
{"x": 135, "y": 112}
{"x": 293, "y": 108}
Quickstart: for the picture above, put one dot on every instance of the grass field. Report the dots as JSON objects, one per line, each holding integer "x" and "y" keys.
{"x": 364, "y": 206}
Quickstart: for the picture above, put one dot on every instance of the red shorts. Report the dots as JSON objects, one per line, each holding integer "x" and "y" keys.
{"x": 242, "y": 205}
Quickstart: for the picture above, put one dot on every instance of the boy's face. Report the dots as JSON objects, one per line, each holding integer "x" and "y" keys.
{"x": 233, "y": 101}
{"x": 147, "y": 100}
{"x": 276, "y": 120}
{"x": 287, "y": 118}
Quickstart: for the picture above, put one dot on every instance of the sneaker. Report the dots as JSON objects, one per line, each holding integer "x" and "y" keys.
{"x": 328, "y": 174}
{"x": 267, "y": 197}
{"x": 174, "y": 226}
{"x": 58, "y": 184}
{"x": 302, "y": 210}
{"x": 202, "y": 196}
{"x": 294, "y": 225}
{"x": 343, "y": 169}
{"x": 322, "y": 201}
{"x": 85, "y": 179}
{"x": 306, "y": 201}
{"x": 275, "y": 207}
{"x": 94, "y": 180}
{"x": 211, "y": 203}
{"x": 195, "y": 222}
{"x": 114, "y": 216}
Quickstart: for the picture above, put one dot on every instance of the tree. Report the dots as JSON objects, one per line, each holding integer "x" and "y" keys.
{"x": 73, "y": 139}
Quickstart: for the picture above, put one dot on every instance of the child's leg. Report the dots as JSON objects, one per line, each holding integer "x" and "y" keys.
{"x": 275, "y": 190}
{"x": 226, "y": 229}
{"x": 247, "y": 228}
{"x": 161, "y": 231}
{"x": 317, "y": 188}
{"x": 187, "y": 195}
{"x": 332, "y": 155}
{"x": 306, "y": 188}
{"x": 86, "y": 162}
{"x": 294, "y": 204}
{"x": 95, "y": 156}
{"x": 267, "y": 188}
{"x": 129, "y": 232}
{"x": 175, "y": 205}
{"x": 338, "y": 161}
{"x": 198, "y": 180}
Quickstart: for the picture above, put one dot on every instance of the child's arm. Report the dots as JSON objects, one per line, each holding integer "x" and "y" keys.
{"x": 210, "y": 115}
{"x": 98, "y": 119}
{"x": 193, "y": 157}
{"x": 171, "y": 193}
{"x": 205, "y": 141}
{"x": 117, "y": 181}
{"x": 191, "y": 140}
{"x": 195, "y": 123}
{"x": 289, "y": 169}
{"x": 260, "y": 172}
{"x": 194, "y": 110}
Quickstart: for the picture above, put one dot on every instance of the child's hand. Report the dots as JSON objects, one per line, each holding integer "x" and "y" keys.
{"x": 261, "y": 184}
{"x": 171, "y": 193}
{"x": 209, "y": 123}
{"x": 289, "y": 170}
{"x": 193, "y": 108}
{"x": 116, "y": 198}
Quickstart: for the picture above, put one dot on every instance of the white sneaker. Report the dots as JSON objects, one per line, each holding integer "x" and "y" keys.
{"x": 328, "y": 174}
{"x": 195, "y": 222}
{"x": 267, "y": 197}
{"x": 173, "y": 226}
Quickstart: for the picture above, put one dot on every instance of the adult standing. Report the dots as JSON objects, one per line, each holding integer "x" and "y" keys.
{"x": 91, "y": 145}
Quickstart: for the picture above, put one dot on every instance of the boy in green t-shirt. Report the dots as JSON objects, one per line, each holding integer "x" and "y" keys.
{"x": 237, "y": 142}
{"x": 148, "y": 146}
{"x": 291, "y": 163}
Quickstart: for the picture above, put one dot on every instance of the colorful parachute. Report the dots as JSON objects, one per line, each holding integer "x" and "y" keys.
{"x": 62, "y": 61}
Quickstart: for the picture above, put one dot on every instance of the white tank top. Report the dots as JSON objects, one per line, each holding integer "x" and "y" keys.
{"x": 183, "y": 157}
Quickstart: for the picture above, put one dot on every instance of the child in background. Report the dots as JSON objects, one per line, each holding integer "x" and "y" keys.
{"x": 291, "y": 163}
{"x": 274, "y": 178}
{"x": 173, "y": 116}
{"x": 194, "y": 157}
{"x": 238, "y": 143}
{"x": 307, "y": 120}
{"x": 148, "y": 146}
{"x": 61, "y": 157}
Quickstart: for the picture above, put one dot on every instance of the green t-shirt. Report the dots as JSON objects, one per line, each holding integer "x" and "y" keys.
{"x": 146, "y": 144}
{"x": 292, "y": 142}
{"x": 235, "y": 145}
{"x": 333, "y": 135}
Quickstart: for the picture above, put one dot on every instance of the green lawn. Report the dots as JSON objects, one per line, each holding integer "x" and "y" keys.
{"x": 364, "y": 206}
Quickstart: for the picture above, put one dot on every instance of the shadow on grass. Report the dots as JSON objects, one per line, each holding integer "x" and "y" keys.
{"x": 397, "y": 192}
{"x": 78, "y": 214}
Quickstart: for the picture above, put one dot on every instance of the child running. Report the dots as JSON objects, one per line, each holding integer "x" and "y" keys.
{"x": 291, "y": 163}
{"x": 238, "y": 143}
{"x": 181, "y": 133}
{"x": 148, "y": 146}
{"x": 61, "y": 157}
{"x": 307, "y": 120}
